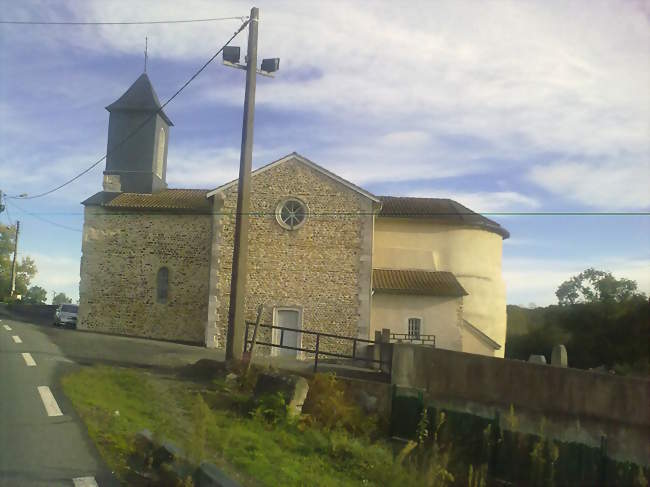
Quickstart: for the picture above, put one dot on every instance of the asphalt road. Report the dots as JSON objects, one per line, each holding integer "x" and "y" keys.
{"x": 42, "y": 441}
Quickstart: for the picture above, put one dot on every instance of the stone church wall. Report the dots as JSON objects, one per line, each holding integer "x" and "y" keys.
{"x": 322, "y": 268}
{"x": 121, "y": 254}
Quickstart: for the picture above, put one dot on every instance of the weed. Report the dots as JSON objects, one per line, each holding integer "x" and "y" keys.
{"x": 327, "y": 407}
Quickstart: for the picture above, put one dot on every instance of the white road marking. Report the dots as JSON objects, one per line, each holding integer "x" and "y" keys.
{"x": 7, "y": 327}
{"x": 29, "y": 360}
{"x": 49, "y": 402}
{"x": 85, "y": 482}
{"x": 17, "y": 339}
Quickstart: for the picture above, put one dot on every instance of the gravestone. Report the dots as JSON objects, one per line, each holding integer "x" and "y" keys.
{"x": 537, "y": 359}
{"x": 559, "y": 356}
{"x": 292, "y": 387}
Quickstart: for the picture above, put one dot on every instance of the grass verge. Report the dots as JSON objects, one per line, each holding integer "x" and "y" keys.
{"x": 115, "y": 403}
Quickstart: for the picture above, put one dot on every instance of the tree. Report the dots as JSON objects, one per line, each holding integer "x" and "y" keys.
{"x": 25, "y": 268}
{"x": 61, "y": 298}
{"x": 594, "y": 286}
{"x": 35, "y": 295}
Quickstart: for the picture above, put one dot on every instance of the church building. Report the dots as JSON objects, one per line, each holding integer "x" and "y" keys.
{"x": 324, "y": 254}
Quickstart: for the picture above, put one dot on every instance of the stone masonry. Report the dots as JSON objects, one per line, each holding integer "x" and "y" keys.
{"x": 322, "y": 268}
{"x": 122, "y": 252}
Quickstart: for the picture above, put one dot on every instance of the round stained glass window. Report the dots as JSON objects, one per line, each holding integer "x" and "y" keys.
{"x": 291, "y": 213}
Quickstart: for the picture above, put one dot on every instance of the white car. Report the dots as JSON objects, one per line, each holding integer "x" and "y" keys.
{"x": 66, "y": 314}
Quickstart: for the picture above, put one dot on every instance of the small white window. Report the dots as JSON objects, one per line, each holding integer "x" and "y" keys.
{"x": 291, "y": 213}
{"x": 414, "y": 328}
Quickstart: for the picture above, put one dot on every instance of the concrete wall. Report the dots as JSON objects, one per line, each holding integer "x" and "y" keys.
{"x": 472, "y": 254}
{"x": 322, "y": 268}
{"x": 122, "y": 252}
{"x": 576, "y": 405}
{"x": 440, "y": 316}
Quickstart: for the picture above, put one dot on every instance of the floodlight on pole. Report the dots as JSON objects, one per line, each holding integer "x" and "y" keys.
{"x": 231, "y": 54}
{"x": 270, "y": 65}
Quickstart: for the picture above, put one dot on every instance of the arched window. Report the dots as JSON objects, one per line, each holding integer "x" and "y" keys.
{"x": 160, "y": 155}
{"x": 162, "y": 284}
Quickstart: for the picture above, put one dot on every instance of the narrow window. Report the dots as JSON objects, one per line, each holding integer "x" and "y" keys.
{"x": 162, "y": 284}
{"x": 160, "y": 155}
{"x": 414, "y": 328}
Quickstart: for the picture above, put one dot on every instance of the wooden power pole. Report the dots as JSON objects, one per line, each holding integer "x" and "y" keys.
{"x": 236, "y": 311}
{"x": 13, "y": 264}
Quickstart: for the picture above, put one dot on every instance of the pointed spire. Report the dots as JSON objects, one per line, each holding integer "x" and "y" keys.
{"x": 139, "y": 97}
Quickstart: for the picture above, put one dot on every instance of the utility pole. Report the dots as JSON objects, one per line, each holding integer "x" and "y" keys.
{"x": 13, "y": 264}
{"x": 236, "y": 311}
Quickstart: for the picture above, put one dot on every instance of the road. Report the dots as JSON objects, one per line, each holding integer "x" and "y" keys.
{"x": 42, "y": 441}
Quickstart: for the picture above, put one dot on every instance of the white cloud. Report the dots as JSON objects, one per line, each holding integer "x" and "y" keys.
{"x": 58, "y": 273}
{"x": 527, "y": 77}
{"x": 483, "y": 202}
{"x": 615, "y": 185}
{"x": 530, "y": 279}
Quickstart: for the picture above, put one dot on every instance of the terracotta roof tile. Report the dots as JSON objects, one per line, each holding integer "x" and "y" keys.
{"x": 168, "y": 199}
{"x": 431, "y": 283}
{"x": 438, "y": 209}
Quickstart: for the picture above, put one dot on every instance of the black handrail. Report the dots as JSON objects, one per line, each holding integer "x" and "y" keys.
{"x": 316, "y": 351}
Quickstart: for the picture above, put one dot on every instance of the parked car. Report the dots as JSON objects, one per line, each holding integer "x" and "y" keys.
{"x": 66, "y": 314}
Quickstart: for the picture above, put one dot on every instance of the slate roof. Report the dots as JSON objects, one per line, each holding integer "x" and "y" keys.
{"x": 438, "y": 209}
{"x": 168, "y": 199}
{"x": 139, "y": 97}
{"x": 427, "y": 283}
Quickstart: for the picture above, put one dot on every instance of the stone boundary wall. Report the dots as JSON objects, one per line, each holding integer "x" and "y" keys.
{"x": 42, "y": 312}
{"x": 575, "y": 405}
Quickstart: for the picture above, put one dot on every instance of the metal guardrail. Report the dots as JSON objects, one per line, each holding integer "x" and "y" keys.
{"x": 422, "y": 339}
{"x": 317, "y": 351}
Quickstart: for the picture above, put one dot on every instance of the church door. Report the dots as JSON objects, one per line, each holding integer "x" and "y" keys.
{"x": 289, "y": 318}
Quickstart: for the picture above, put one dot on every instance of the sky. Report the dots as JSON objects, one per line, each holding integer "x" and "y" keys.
{"x": 506, "y": 107}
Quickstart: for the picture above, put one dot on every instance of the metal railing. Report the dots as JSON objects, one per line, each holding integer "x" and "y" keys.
{"x": 384, "y": 362}
{"x": 422, "y": 339}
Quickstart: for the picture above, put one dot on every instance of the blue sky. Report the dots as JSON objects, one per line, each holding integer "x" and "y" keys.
{"x": 504, "y": 106}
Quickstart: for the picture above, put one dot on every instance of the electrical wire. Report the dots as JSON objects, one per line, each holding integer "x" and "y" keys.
{"x": 186, "y": 211}
{"x": 34, "y": 215}
{"x": 143, "y": 22}
{"x": 139, "y": 127}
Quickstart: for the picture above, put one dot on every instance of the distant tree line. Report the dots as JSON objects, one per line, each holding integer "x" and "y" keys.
{"x": 25, "y": 272}
{"x": 602, "y": 321}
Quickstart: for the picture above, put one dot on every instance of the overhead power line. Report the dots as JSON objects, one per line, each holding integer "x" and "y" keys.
{"x": 35, "y": 215}
{"x": 143, "y": 22}
{"x": 139, "y": 127}
{"x": 116, "y": 211}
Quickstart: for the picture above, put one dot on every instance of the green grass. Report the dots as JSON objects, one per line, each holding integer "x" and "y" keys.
{"x": 254, "y": 452}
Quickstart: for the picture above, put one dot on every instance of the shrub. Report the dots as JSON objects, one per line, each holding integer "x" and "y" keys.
{"x": 328, "y": 407}
{"x": 270, "y": 408}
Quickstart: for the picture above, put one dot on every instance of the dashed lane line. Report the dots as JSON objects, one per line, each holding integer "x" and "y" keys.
{"x": 6, "y": 327}
{"x": 51, "y": 407}
{"x": 17, "y": 339}
{"x": 29, "y": 360}
{"x": 85, "y": 482}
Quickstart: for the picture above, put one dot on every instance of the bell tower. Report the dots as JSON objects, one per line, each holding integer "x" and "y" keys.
{"x": 137, "y": 162}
